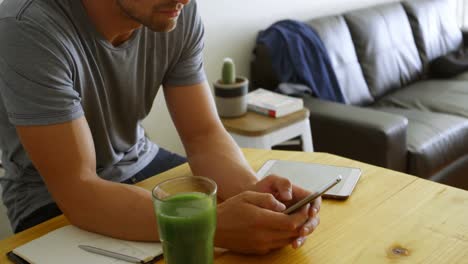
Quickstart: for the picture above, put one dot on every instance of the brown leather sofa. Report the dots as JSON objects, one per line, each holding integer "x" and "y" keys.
{"x": 396, "y": 116}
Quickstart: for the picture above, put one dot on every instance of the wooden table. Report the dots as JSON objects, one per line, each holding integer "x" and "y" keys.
{"x": 390, "y": 218}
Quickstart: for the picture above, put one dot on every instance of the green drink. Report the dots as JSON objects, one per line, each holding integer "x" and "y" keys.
{"x": 186, "y": 212}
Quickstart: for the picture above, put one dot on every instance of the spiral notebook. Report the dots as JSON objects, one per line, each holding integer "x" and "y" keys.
{"x": 61, "y": 246}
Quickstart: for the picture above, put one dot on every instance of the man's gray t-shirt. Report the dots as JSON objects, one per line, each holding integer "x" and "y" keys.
{"x": 55, "y": 67}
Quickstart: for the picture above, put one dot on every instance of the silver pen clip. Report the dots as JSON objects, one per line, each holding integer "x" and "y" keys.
{"x": 110, "y": 254}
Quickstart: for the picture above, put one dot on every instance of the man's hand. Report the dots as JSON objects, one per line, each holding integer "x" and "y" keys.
{"x": 289, "y": 194}
{"x": 253, "y": 223}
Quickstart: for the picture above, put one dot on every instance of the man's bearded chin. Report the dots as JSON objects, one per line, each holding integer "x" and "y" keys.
{"x": 156, "y": 25}
{"x": 155, "y": 20}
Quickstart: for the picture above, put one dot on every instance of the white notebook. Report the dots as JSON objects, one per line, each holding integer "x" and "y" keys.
{"x": 61, "y": 246}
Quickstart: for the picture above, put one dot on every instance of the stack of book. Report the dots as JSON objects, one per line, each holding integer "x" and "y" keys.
{"x": 273, "y": 104}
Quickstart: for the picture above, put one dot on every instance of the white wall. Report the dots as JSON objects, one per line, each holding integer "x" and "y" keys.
{"x": 231, "y": 28}
{"x": 462, "y": 13}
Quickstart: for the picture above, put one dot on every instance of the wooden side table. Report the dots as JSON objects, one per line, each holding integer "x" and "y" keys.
{"x": 258, "y": 131}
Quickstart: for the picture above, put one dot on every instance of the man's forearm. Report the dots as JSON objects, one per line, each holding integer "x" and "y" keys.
{"x": 217, "y": 156}
{"x": 113, "y": 209}
{"x": 65, "y": 158}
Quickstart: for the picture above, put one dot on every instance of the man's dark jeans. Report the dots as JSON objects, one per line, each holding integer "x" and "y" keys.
{"x": 163, "y": 161}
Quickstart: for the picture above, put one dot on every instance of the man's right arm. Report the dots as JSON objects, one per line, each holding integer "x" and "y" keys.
{"x": 64, "y": 156}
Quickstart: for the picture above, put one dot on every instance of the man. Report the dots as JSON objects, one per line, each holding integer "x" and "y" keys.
{"x": 76, "y": 79}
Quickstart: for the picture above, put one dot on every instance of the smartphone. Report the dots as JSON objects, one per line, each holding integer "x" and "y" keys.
{"x": 313, "y": 196}
{"x": 311, "y": 176}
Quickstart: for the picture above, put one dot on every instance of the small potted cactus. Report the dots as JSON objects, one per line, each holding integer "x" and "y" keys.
{"x": 230, "y": 91}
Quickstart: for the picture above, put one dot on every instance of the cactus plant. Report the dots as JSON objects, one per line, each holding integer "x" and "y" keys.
{"x": 229, "y": 71}
{"x": 231, "y": 91}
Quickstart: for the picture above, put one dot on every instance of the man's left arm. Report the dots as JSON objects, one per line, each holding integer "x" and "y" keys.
{"x": 212, "y": 153}
{"x": 210, "y": 149}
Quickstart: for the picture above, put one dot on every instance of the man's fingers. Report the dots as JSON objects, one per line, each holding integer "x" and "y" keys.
{"x": 297, "y": 243}
{"x": 293, "y": 222}
{"x": 282, "y": 186}
{"x": 315, "y": 209}
{"x": 317, "y": 204}
{"x": 299, "y": 193}
{"x": 264, "y": 200}
{"x": 310, "y": 226}
{"x": 302, "y": 215}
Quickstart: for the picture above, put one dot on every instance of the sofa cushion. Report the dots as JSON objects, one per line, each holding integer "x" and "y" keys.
{"x": 435, "y": 27}
{"x": 336, "y": 37}
{"x": 385, "y": 47}
{"x": 442, "y": 96}
{"x": 462, "y": 77}
{"x": 434, "y": 140}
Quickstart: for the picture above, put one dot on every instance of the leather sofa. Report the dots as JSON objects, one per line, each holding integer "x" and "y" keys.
{"x": 395, "y": 116}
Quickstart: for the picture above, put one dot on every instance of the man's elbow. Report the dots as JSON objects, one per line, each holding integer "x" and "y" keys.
{"x": 80, "y": 205}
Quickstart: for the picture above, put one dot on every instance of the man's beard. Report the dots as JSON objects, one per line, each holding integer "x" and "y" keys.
{"x": 153, "y": 20}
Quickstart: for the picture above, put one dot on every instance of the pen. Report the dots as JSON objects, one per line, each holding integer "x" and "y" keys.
{"x": 111, "y": 254}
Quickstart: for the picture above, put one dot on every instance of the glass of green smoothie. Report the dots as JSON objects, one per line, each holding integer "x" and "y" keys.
{"x": 186, "y": 214}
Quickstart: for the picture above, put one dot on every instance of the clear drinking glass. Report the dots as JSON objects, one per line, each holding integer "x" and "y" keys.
{"x": 186, "y": 212}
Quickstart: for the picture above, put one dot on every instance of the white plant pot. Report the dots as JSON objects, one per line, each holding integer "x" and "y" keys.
{"x": 231, "y": 99}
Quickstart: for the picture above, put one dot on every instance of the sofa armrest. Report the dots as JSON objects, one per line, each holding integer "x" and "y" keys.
{"x": 465, "y": 38}
{"x": 359, "y": 133}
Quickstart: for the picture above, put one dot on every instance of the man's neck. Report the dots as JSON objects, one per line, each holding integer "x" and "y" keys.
{"x": 110, "y": 21}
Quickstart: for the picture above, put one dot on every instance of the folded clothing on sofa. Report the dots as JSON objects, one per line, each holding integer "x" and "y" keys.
{"x": 300, "y": 57}
{"x": 293, "y": 89}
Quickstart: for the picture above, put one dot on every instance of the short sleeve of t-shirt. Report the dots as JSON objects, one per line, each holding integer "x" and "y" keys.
{"x": 189, "y": 70}
{"x": 36, "y": 78}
